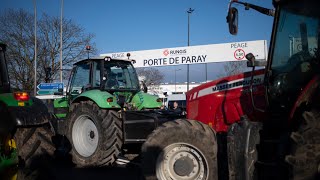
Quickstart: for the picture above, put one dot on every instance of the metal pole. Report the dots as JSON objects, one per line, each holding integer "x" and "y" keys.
{"x": 206, "y": 72}
{"x": 175, "y": 81}
{"x": 189, "y": 12}
{"x": 61, "y": 18}
{"x": 35, "y": 47}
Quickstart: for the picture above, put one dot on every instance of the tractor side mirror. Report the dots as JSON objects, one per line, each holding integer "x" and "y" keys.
{"x": 252, "y": 62}
{"x": 232, "y": 20}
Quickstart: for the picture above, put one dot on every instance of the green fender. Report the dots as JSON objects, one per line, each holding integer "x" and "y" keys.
{"x": 140, "y": 100}
{"x": 99, "y": 97}
{"x": 146, "y": 101}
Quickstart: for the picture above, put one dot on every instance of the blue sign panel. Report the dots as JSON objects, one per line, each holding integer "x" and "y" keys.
{"x": 49, "y": 88}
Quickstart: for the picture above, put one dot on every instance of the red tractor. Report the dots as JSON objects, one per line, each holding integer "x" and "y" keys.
{"x": 261, "y": 124}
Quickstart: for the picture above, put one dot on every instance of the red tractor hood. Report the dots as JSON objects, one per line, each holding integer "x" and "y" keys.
{"x": 221, "y": 102}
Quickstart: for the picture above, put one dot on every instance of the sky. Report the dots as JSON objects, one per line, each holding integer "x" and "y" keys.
{"x": 131, "y": 25}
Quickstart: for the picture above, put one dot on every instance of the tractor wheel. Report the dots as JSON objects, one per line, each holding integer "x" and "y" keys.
{"x": 95, "y": 134}
{"x": 181, "y": 149}
{"x": 35, "y": 152}
{"x": 305, "y": 150}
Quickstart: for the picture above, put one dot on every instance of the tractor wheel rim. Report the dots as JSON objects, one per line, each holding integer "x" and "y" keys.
{"x": 85, "y": 136}
{"x": 182, "y": 161}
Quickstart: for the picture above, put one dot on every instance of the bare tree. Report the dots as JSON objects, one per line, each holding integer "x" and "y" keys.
{"x": 234, "y": 67}
{"x": 17, "y": 31}
{"x": 151, "y": 76}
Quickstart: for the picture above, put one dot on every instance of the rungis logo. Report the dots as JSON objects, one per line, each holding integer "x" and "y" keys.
{"x": 174, "y": 52}
{"x": 166, "y": 52}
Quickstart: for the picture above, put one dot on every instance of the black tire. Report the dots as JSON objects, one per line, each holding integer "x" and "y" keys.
{"x": 105, "y": 133}
{"x": 35, "y": 152}
{"x": 182, "y": 148}
{"x": 305, "y": 148}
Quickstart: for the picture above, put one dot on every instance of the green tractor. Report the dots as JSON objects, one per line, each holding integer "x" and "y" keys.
{"x": 25, "y": 132}
{"x": 106, "y": 111}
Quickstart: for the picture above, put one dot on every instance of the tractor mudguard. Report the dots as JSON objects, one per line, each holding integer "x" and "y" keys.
{"x": 35, "y": 114}
{"x": 99, "y": 97}
{"x": 146, "y": 101}
{"x": 242, "y": 153}
{"x": 61, "y": 105}
{"x": 307, "y": 94}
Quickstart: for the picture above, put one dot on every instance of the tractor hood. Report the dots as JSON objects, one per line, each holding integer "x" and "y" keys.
{"x": 223, "y": 99}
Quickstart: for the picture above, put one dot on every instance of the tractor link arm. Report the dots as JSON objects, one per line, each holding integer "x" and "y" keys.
{"x": 266, "y": 11}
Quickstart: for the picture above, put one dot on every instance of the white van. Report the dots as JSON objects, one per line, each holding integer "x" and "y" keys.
{"x": 179, "y": 98}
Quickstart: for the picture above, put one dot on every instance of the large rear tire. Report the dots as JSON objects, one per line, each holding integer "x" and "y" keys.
{"x": 181, "y": 149}
{"x": 305, "y": 149}
{"x": 35, "y": 152}
{"x": 95, "y": 134}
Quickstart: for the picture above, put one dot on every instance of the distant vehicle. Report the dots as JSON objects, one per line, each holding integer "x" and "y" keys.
{"x": 179, "y": 98}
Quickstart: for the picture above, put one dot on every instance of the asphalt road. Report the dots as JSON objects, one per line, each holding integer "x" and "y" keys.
{"x": 63, "y": 169}
{"x": 108, "y": 173}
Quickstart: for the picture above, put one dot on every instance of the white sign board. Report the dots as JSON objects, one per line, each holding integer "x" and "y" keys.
{"x": 235, "y": 51}
{"x": 297, "y": 45}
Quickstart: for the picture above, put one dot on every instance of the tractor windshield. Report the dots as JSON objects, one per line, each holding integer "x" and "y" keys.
{"x": 119, "y": 75}
{"x": 295, "y": 59}
{"x": 297, "y": 36}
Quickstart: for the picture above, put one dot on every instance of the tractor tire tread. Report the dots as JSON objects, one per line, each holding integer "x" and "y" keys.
{"x": 35, "y": 151}
{"x": 180, "y": 130}
{"x": 305, "y": 155}
{"x": 111, "y": 135}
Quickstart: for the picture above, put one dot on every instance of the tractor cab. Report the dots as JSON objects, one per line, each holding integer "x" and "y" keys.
{"x": 115, "y": 78}
{"x": 293, "y": 60}
{"x": 106, "y": 74}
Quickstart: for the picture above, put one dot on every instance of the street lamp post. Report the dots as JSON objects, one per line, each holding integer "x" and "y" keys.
{"x": 175, "y": 79}
{"x": 88, "y": 48}
{"x": 35, "y": 47}
{"x": 61, "y": 21}
{"x": 189, "y": 13}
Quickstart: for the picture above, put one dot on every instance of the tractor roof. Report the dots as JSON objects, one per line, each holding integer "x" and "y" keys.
{"x": 101, "y": 58}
